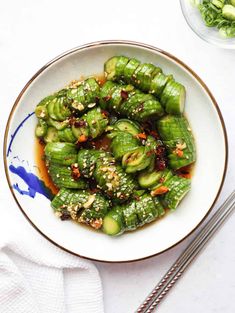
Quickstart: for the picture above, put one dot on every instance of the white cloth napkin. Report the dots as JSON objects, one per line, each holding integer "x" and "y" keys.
{"x": 37, "y": 277}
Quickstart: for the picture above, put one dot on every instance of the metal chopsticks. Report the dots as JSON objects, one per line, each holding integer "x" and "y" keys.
{"x": 169, "y": 279}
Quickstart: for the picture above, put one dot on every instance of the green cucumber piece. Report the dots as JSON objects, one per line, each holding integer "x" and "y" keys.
{"x": 136, "y": 160}
{"x": 145, "y": 210}
{"x": 144, "y": 76}
{"x": 228, "y": 12}
{"x": 165, "y": 176}
{"x": 83, "y": 95}
{"x": 147, "y": 180}
{"x": 159, "y": 207}
{"x": 150, "y": 72}
{"x": 218, "y": 3}
{"x": 50, "y": 109}
{"x": 58, "y": 125}
{"x": 41, "y": 128}
{"x": 67, "y": 135}
{"x": 41, "y": 112}
{"x": 67, "y": 197}
{"x": 51, "y": 135}
{"x": 173, "y": 98}
{"x": 128, "y": 126}
{"x": 231, "y": 1}
{"x": 106, "y": 94}
{"x": 78, "y": 131}
{"x": 87, "y": 161}
{"x": 95, "y": 209}
{"x": 96, "y": 122}
{"x": 61, "y": 152}
{"x": 130, "y": 69}
{"x": 110, "y": 68}
{"x": 113, "y": 223}
{"x": 120, "y": 65}
{"x": 178, "y": 188}
{"x": 130, "y": 217}
{"x": 62, "y": 177}
{"x": 109, "y": 176}
{"x": 123, "y": 143}
{"x": 158, "y": 83}
{"x": 91, "y": 88}
{"x": 177, "y": 135}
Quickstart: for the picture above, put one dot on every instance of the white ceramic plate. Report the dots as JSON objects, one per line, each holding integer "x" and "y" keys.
{"x": 207, "y": 125}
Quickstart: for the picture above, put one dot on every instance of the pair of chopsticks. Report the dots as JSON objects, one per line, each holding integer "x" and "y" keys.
{"x": 177, "y": 269}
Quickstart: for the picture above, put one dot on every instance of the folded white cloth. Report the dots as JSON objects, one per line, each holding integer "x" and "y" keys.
{"x": 36, "y": 276}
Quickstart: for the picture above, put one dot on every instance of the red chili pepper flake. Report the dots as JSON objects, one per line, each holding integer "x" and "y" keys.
{"x": 41, "y": 141}
{"x": 150, "y": 152}
{"x": 107, "y": 98}
{"x": 161, "y": 180}
{"x": 104, "y": 113}
{"x": 65, "y": 215}
{"x": 75, "y": 171}
{"x": 72, "y": 120}
{"x": 80, "y": 123}
{"x": 160, "y": 151}
{"x": 124, "y": 94}
{"x": 95, "y": 190}
{"x": 154, "y": 134}
{"x": 160, "y": 164}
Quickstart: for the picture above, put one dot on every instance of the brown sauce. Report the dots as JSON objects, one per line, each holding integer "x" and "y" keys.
{"x": 41, "y": 165}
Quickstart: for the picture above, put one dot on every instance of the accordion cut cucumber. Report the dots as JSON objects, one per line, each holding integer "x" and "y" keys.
{"x": 173, "y": 98}
{"x": 178, "y": 187}
{"x": 62, "y": 177}
{"x": 148, "y": 78}
{"x": 41, "y": 128}
{"x": 177, "y": 136}
{"x": 62, "y": 153}
{"x": 109, "y": 176}
{"x": 81, "y": 206}
{"x": 83, "y": 95}
{"x": 128, "y": 126}
{"x": 92, "y": 124}
{"x": 132, "y": 103}
{"x": 130, "y": 216}
{"x": 122, "y": 143}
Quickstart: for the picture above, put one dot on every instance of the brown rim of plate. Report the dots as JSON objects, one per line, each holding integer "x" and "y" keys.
{"x": 136, "y": 44}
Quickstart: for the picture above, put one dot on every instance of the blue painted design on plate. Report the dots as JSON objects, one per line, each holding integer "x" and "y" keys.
{"x": 35, "y": 185}
{"x": 16, "y": 131}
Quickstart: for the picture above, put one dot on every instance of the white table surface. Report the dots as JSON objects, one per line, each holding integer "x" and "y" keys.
{"x": 32, "y": 33}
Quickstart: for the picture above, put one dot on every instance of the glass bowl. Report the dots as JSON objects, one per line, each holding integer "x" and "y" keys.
{"x": 196, "y": 23}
